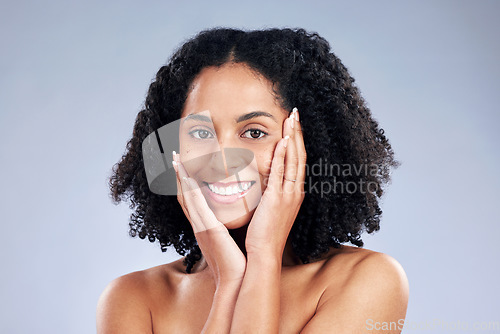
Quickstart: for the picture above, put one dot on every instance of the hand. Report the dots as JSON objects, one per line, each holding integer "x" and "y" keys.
{"x": 280, "y": 203}
{"x": 225, "y": 259}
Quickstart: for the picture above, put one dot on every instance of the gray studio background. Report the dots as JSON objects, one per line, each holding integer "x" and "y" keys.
{"x": 73, "y": 76}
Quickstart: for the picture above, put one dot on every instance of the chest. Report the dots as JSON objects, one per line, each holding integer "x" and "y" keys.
{"x": 186, "y": 310}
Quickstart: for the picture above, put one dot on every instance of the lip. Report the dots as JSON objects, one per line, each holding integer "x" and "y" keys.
{"x": 226, "y": 199}
{"x": 227, "y": 184}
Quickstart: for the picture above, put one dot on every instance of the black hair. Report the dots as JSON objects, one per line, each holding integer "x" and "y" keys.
{"x": 339, "y": 134}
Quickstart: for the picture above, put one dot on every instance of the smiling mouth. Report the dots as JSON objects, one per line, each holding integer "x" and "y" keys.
{"x": 229, "y": 189}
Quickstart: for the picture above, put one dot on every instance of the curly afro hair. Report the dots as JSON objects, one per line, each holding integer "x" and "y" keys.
{"x": 339, "y": 132}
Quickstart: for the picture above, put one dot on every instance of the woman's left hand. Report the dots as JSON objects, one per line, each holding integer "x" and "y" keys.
{"x": 273, "y": 219}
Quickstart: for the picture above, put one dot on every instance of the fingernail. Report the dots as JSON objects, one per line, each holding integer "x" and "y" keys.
{"x": 174, "y": 163}
{"x": 292, "y": 121}
{"x": 295, "y": 111}
{"x": 286, "y": 141}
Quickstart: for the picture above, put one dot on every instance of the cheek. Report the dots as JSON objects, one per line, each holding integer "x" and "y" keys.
{"x": 194, "y": 157}
{"x": 264, "y": 160}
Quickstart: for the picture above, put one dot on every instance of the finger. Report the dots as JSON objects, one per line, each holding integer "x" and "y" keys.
{"x": 199, "y": 203}
{"x": 202, "y": 216}
{"x": 186, "y": 192}
{"x": 275, "y": 182}
{"x": 291, "y": 159}
{"x": 180, "y": 197}
{"x": 301, "y": 152}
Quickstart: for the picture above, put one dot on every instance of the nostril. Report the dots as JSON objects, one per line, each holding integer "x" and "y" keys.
{"x": 238, "y": 158}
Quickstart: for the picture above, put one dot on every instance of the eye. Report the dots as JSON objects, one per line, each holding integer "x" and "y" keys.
{"x": 201, "y": 134}
{"x": 254, "y": 134}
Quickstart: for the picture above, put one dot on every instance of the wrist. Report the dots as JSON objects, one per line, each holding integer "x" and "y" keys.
{"x": 225, "y": 286}
{"x": 227, "y": 292}
{"x": 265, "y": 259}
{"x": 265, "y": 252}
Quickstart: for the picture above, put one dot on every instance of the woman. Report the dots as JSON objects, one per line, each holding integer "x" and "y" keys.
{"x": 262, "y": 223}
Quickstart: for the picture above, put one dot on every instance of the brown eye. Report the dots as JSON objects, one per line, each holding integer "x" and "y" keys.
{"x": 254, "y": 134}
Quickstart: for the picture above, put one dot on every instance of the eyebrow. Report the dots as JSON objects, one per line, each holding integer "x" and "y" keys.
{"x": 199, "y": 117}
{"x": 254, "y": 114}
{"x": 240, "y": 119}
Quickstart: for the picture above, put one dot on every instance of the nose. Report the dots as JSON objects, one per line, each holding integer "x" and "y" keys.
{"x": 230, "y": 159}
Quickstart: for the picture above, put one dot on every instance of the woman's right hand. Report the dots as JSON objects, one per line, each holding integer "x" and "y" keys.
{"x": 224, "y": 258}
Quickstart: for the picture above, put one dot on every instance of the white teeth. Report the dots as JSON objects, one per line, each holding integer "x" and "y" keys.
{"x": 229, "y": 190}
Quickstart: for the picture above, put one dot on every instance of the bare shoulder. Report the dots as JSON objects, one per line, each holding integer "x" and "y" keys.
{"x": 125, "y": 304}
{"x": 369, "y": 272}
{"x": 362, "y": 288}
{"x": 368, "y": 265}
{"x": 360, "y": 265}
{"x": 380, "y": 266}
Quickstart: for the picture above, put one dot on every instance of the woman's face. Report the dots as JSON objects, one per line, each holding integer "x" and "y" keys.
{"x": 231, "y": 123}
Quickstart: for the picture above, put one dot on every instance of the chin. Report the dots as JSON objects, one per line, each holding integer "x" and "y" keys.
{"x": 232, "y": 224}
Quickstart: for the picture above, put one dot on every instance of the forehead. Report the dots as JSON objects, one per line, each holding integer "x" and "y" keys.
{"x": 230, "y": 89}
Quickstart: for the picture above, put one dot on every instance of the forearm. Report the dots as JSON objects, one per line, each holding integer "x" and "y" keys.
{"x": 258, "y": 306}
{"x": 223, "y": 305}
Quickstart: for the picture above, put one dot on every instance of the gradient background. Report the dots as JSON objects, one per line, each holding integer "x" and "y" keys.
{"x": 73, "y": 76}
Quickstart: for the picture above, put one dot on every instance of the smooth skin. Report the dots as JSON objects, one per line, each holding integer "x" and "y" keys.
{"x": 248, "y": 280}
